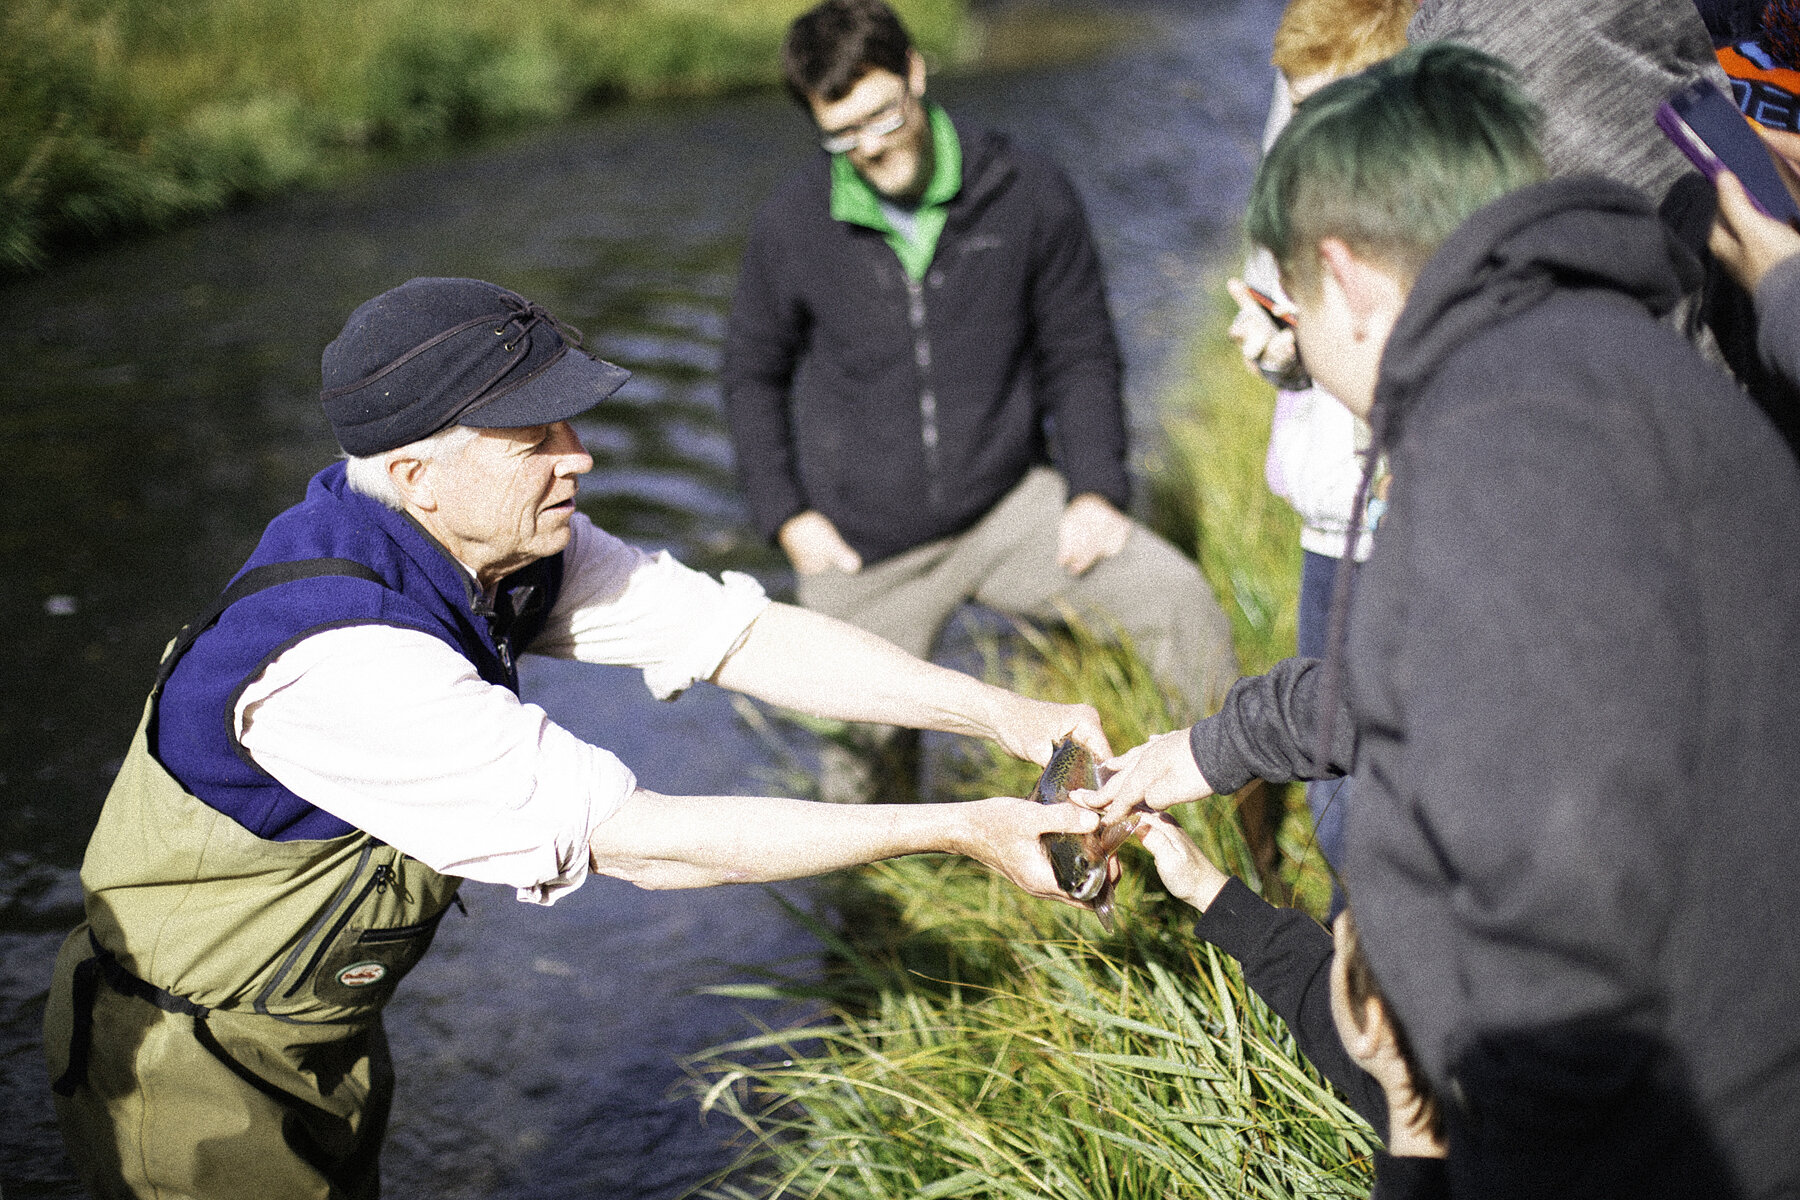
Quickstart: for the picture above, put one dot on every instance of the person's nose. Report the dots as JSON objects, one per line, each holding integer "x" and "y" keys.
{"x": 574, "y": 458}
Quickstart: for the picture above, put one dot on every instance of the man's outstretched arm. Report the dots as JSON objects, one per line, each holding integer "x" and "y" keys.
{"x": 812, "y": 663}
{"x": 658, "y": 841}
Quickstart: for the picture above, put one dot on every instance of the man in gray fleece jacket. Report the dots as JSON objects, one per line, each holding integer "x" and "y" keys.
{"x": 1598, "y": 69}
{"x": 1567, "y": 691}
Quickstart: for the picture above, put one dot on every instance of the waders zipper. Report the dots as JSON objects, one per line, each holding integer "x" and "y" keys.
{"x": 384, "y": 875}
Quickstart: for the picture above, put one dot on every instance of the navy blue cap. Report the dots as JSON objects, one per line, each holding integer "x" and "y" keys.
{"x": 433, "y": 353}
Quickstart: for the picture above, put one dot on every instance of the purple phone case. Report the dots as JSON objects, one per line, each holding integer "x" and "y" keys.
{"x": 1707, "y": 127}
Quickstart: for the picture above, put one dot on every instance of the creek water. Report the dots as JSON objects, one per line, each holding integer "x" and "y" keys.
{"x": 160, "y": 405}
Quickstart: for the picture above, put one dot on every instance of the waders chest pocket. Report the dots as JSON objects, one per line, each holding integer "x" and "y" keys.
{"x": 363, "y": 965}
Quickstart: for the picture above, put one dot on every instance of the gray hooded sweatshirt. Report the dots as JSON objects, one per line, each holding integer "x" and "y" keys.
{"x": 1572, "y": 719}
{"x": 1599, "y": 68}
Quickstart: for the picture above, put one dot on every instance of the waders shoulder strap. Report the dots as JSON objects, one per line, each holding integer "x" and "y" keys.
{"x": 88, "y": 976}
{"x": 254, "y": 580}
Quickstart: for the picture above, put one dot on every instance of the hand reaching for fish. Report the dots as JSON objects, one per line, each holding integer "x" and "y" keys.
{"x": 1186, "y": 872}
{"x": 1031, "y": 729}
{"x": 1159, "y": 774}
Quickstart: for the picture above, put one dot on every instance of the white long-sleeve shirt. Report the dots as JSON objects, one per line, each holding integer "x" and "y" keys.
{"x": 393, "y": 731}
{"x": 1315, "y": 461}
{"x": 1316, "y": 445}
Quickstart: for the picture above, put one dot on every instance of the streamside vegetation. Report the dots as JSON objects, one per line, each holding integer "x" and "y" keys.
{"x": 132, "y": 113}
{"x": 971, "y": 1042}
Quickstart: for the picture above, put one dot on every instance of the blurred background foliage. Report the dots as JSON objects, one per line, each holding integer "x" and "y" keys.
{"x": 123, "y": 114}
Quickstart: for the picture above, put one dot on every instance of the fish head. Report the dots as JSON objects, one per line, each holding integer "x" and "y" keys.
{"x": 1079, "y": 869}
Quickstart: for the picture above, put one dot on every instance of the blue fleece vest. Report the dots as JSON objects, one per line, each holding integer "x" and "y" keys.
{"x": 191, "y": 731}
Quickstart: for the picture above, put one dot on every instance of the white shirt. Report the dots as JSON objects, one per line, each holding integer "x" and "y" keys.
{"x": 1315, "y": 462}
{"x": 1316, "y": 445}
{"x": 395, "y": 732}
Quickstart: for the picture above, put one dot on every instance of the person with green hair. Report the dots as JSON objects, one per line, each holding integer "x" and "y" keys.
{"x": 1565, "y": 687}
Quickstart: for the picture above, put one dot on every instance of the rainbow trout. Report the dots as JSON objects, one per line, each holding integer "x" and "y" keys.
{"x": 1079, "y": 859}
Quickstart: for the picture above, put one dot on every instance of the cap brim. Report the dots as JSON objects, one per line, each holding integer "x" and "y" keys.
{"x": 566, "y": 388}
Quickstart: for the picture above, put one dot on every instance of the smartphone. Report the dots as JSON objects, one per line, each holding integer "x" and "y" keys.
{"x": 1707, "y": 127}
{"x": 1292, "y": 376}
{"x": 1276, "y": 313}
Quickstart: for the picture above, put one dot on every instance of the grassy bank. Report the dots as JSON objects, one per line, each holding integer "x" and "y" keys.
{"x": 975, "y": 1043}
{"x": 131, "y": 113}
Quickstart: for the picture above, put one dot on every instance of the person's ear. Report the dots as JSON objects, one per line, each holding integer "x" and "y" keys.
{"x": 412, "y": 478}
{"x": 1370, "y": 291}
{"x": 915, "y": 74}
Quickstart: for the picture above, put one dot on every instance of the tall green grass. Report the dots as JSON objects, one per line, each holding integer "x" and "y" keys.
{"x": 123, "y": 113}
{"x": 973, "y": 1042}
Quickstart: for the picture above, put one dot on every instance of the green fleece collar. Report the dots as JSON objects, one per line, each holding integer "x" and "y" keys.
{"x": 854, "y": 202}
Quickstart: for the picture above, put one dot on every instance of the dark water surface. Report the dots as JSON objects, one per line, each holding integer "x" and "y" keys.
{"x": 160, "y": 405}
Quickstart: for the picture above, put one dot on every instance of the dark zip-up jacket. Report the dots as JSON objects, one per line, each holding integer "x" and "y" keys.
{"x": 905, "y": 410}
{"x": 1571, "y": 672}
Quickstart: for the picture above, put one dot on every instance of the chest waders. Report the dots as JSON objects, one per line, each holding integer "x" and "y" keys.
{"x": 214, "y": 1028}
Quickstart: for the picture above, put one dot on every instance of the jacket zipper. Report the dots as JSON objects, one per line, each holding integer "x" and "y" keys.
{"x": 928, "y": 424}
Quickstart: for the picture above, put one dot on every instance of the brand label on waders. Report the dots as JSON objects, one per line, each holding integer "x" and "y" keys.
{"x": 362, "y": 974}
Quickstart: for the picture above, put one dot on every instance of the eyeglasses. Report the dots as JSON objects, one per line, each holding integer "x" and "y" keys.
{"x": 884, "y": 122}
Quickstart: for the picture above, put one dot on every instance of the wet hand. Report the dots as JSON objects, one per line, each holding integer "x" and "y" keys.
{"x": 1029, "y": 729}
{"x": 1159, "y": 774}
{"x": 1091, "y": 529}
{"x": 814, "y": 545}
{"x": 1003, "y": 833}
{"x": 1186, "y": 872}
{"x": 1747, "y": 242}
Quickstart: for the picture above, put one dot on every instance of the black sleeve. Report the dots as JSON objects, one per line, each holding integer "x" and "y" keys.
{"x": 1409, "y": 1178}
{"x": 764, "y": 335}
{"x": 1286, "y": 957}
{"x": 1075, "y": 353}
{"x": 1777, "y": 330}
{"x": 1268, "y": 729}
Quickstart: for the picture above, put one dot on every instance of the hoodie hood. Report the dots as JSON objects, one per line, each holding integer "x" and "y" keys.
{"x": 1570, "y": 233}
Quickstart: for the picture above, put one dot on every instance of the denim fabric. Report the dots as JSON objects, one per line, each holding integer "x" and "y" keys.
{"x": 1329, "y": 800}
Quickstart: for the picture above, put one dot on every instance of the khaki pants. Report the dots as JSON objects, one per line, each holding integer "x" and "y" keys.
{"x": 1007, "y": 561}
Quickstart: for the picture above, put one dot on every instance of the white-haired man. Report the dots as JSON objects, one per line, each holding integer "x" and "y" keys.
{"x": 339, "y": 741}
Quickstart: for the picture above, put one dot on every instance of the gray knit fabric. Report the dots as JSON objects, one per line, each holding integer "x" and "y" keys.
{"x": 1598, "y": 67}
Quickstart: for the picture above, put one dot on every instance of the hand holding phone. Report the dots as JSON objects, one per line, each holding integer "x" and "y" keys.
{"x": 1278, "y": 312}
{"x": 1264, "y": 332}
{"x": 1706, "y": 126}
{"x": 1747, "y": 243}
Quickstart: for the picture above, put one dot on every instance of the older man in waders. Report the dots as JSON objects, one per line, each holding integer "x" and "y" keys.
{"x": 338, "y": 742}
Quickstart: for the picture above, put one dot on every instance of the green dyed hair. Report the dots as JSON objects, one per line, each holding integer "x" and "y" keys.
{"x": 1392, "y": 160}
